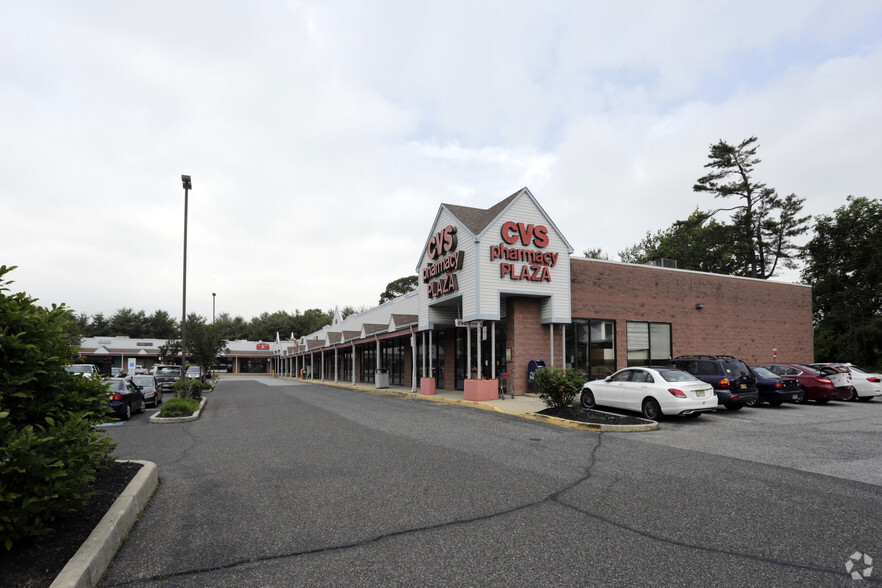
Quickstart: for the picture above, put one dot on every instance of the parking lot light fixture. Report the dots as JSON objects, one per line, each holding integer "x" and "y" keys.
{"x": 187, "y": 187}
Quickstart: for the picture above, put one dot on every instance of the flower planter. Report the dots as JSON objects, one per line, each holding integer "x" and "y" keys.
{"x": 481, "y": 390}
{"x": 427, "y": 386}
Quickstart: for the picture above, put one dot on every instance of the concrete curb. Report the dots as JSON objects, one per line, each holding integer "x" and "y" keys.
{"x": 85, "y": 568}
{"x": 155, "y": 418}
{"x": 596, "y": 427}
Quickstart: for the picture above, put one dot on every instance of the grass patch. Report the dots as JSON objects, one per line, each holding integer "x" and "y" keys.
{"x": 177, "y": 407}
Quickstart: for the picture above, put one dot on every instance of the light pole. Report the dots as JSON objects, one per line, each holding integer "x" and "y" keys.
{"x": 213, "y": 298}
{"x": 187, "y": 187}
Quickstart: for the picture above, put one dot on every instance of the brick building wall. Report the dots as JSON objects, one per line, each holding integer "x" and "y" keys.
{"x": 527, "y": 338}
{"x": 743, "y": 317}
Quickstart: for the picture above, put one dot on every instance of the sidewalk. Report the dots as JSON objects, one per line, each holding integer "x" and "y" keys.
{"x": 518, "y": 405}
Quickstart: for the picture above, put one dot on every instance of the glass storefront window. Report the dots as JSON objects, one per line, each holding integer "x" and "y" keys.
{"x": 393, "y": 360}
{"x": 346, "y": 358}
{"x": 368, "y": 357}
{"x": 648, "y": 343}
{"x": 252, "y": 366}
{"x": 591, "y": 348}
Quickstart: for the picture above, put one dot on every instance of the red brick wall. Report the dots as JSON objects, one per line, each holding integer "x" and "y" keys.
{"x": 741, "y": 317}
{"x": 527, "y": 338}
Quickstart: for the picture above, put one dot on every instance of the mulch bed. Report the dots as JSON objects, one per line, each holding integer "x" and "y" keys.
{"x": 34, "y": 565}
{"x": 585, "y": 415}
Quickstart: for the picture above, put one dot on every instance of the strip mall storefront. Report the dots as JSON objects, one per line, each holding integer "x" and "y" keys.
{"x": 499, "y": 290}
{"x": 243, "y": 357}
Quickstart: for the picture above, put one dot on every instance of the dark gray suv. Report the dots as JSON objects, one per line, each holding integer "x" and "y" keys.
{"x": 733, "y": 382}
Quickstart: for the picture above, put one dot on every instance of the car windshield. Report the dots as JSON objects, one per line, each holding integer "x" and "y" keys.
{"x": 677, "y": 376}
{"x": 765, "y": 373}
{"x": 79, "y": 369}
{"x": 855, "y": 368}
{"x": 143, "y": 380}
{"x": 192, "y": 370}
{"x": 169, "y": 370}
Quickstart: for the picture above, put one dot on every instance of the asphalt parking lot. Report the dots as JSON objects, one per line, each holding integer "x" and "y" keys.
{"x": 838, "y": 439}
{"x": 283, "y": 483}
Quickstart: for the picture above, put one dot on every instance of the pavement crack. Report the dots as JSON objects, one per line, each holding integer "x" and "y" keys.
{"x": 552, "y": 497}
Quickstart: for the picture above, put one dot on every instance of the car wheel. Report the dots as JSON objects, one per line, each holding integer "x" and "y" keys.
{"x": 803, "y": 398}
{"x": 587, "y": 398}
{"x": 854, "y": 395}
{"x": 143, "y": 405}
{"x": 734, "y": 406}
{"x": 127, "y": 412}
{"x": 754, "y": 402}
{"x": 776, "y": 402}
{"x": 822, "y": 400}
{"x": 158, "y": 398}
{"x": 651, "y": 409}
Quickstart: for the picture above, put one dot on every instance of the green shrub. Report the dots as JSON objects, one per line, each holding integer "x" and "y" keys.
{"x": 176, "y": 407}
{"x": 558, "y": 387}
{"x": 49, "y": 450}
{"x": 190, "y": 388}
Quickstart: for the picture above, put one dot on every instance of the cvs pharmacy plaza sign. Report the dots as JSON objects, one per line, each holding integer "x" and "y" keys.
{"x": 521, "y": 247}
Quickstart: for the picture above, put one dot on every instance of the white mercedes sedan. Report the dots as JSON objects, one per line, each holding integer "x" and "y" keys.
{"x": 654, "y": 392}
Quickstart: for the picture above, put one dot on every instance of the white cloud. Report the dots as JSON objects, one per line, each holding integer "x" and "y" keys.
{"x": 322, "y": 136}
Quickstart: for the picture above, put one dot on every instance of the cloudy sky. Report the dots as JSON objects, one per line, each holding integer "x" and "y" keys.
{"x": 322, "y": 136}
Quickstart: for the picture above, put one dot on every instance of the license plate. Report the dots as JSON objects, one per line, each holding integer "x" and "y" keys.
{"x": 700, "y": 393}
{"x": 744, "y": 386}
{"x": 796, "y": 396}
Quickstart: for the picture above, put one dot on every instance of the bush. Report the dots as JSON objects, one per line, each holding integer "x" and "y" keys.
{"x": 558, "y": 387}
{"x": 176, "y": 407}
{"x": 190, "y": 388}
{"x": 49, "y": 450}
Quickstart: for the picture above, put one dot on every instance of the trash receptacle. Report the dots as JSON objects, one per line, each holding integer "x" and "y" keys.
{"x": 532, "y": 368}
{"x": 382, "y": 378}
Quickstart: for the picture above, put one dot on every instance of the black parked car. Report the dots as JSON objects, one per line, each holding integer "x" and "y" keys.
{"x": 124, "y": 397}
{"x": 733, "y": 382}
{"x": 166, "y": 376}
{"x": 775, "y": 389}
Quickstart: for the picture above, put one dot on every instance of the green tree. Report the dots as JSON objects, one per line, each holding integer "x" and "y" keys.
{"x": 596, "y": 253}
{"x": 698, "y": 243}
{"x": 204, "y": 343}
{"x": 232, "y": 329}
{"x": 399, "y": 287}
{"x": 127, "y": 322}
{"x": 843, "y": 263}
{"x": 169, "y": 351}
{"x": 49, "y": 449}
{"x": 764, "y": 224}
{"x": 311, "y": 321}
{"x": 98, "y": 326}
{"x": 160, "y": 325}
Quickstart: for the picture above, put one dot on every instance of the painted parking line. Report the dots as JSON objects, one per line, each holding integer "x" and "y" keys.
{"x": 110, "y": 424}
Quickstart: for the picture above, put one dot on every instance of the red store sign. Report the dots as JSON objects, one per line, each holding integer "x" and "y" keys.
{"x": 536, "y": 262}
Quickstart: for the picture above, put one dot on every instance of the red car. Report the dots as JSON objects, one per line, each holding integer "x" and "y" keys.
{"x": 817, "y": 386}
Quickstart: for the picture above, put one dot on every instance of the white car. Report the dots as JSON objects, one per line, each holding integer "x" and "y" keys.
{"x": 864, "y": 385}
{"x": 651, "y": 391}
{"x": 83, "y": 369}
